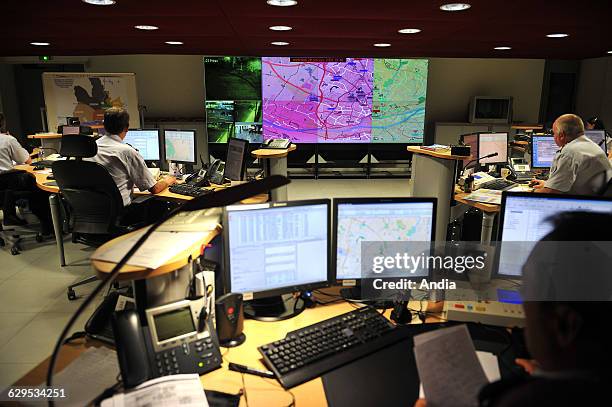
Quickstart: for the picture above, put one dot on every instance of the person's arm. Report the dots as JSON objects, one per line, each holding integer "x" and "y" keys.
{"x": 142, "y": 177}
{"x": 161, "y": 185}
{"x": 562, "y": 176}
{"x": 19, "y": 154}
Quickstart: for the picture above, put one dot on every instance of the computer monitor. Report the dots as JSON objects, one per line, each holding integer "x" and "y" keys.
{"x": 598, "y": 137}
{"x": 489, "y": 143}
{"x": 543, "y": 150}
{"x": 377, "y": 219}
{"x": 523, "y": 219}
{"x": 71, "y": 130}
{"x": 180, "y": 146}
{"x": 235, "y": 164}
{"x": 273, "y": 249}
{"x": 146, "y": 142}
{"x": 472, "y": 141}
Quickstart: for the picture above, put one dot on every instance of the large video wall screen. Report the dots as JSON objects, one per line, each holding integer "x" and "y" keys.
{"x": 317, "y": 100}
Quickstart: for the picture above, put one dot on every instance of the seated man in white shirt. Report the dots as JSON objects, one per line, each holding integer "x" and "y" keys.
{"x": 123, "y": 162}
{"x": 580, "y": 166}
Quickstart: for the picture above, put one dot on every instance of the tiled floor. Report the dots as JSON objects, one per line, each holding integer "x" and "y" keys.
{"x": 33, "y": 303}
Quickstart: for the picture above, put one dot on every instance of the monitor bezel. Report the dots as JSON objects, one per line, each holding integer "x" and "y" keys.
{"x": 339, "y": 201}
{"x": 507, "y": 147}
{"x": 159, "y": 144}
{"x": 245, "y": 155}
{"x": 605, "y": 138}
{"x": 195, "y": 146}
{"x": 281, "y": 290}
{"x": 533, "y": 151}
{"x": 502, "y": 210}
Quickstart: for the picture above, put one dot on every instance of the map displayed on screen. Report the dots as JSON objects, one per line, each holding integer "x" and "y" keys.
{"x": 351, "y": 100}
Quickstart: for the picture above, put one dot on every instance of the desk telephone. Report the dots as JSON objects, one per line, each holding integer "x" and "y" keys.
{"x": 178, "y": 338}
{"x": 203, "y": 178}
{"x": 277, "y": 143}
{"x": 520, "y": 170}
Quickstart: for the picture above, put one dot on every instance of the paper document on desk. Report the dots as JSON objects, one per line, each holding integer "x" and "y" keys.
{"x": 449, "y": 369}
{"x": 156, "y": 251}
{"x": 183, "y": 390}
{"x": 489, "y": 196}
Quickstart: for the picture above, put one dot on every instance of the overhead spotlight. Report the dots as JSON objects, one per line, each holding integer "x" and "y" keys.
{"x": 609, "y": 52}
{"x": 40, "y": 44}
{"x": 282, "y": 3}
{"x": 502, "y": 48}
{"x": 279, "y": 43}
{"x": 281, "y": 28}
{"x": 455, "y": 6}
{"x": 409, "y": 31}
{"x": 146, "y": 27}
{"x": 100, "y": 2}
{"x": 174, "y": 43}
{"x": 557, "y": 35}
{"x": 382, "y": 44}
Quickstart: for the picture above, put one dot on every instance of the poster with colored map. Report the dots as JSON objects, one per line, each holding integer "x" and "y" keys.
{"x": 344, "y": 100}
{"x": 87, "y": 96}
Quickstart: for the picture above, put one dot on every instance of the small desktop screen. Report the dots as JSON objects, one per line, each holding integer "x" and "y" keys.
{"x": 71, "y": 130}
{"x": 235, "y": 163}
{"x": 180, "y": 146}
{"x": 277, "y": 246}
{"x": 146, "y": 142}
{"x": 378, "y": 220}
{"x": 489, "y": 143}
{"x": 523, "y": 219}
{"x": 472, "y": 141}
{"x": 543, "y": 150}
{"x": 598, "y": 137}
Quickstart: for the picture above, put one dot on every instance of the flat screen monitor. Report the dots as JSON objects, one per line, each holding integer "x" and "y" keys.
{"x": 71, "y": 130}
{"x": 543, "y": 150}
{"x": 377, "y": 219}
{"x": 472, "y": 141}
{"x": 235, "y": 163}
{"x": 146, "y": 142}
{"x": 489, "y": 143}
{"x": 523, "y": 219}
{"x": 277, "y": 247}
{"x": 598, "y": 137}
{"x": 180, "y": 146}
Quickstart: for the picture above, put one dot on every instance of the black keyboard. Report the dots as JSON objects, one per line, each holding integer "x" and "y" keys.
{"x": 44, "y": 163}
{"x": 188, "y": 189}
{"x": 309, "y": 352}
{"x": 498, "y": 184}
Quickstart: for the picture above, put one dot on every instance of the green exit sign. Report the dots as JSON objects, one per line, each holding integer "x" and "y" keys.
{"x": 44, "y": 58}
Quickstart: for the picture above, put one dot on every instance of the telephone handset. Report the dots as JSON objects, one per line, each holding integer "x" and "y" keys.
{"x": 278, "y": 143}
{"x": 215, "y": 172}
{"x": 170, "y": 343}
{"x": 198, "y": 179}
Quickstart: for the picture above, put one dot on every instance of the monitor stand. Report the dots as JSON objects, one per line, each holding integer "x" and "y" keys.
{"x": 275, "y": 308}
{"x": 353, "y": 294}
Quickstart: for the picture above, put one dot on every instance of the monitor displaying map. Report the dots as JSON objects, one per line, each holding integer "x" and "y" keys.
{"x": 344, "y": 100}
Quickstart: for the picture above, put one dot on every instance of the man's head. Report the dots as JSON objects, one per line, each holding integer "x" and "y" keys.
{"x": 116, "y": 121}
{"x": 561, "y": 333}
{"x": 566, "y": 128}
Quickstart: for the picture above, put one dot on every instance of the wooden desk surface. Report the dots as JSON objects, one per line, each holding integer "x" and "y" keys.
{"x": 260, "y": 391}
{"x": 273, "y": 153}
{"x": 489, "y": 208}
{"x": 45, "y": 136}
{"x": 438, "y": 154}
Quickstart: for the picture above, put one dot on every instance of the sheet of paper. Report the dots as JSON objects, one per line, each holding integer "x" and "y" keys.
{"x": 183, "y": 390}
{"x": 86, "y": 377}
{"x": 450, "y": 371}
{"x": 490, "y": 196}
{"x": 156, "y": 251}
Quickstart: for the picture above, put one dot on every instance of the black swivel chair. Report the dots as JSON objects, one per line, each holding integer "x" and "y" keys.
{"x": 93, "y": 201}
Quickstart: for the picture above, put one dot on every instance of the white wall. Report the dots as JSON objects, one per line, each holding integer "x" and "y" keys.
{"x": 594, "y": 96}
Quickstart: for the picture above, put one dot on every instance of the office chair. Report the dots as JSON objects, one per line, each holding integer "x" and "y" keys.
{"x": 93, "y": 201}
{"x": 14, "y": 235}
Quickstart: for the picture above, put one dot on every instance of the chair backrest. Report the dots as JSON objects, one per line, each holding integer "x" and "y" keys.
{"x": 94, "y": 199}
{"x": 78, "y": 146}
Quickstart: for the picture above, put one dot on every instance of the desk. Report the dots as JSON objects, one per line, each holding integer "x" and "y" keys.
{"x": 274, "y": 162}
{"x": 48, "y": 140}
{"x": 433, "y": 175}
{"x": 260, "y": 391}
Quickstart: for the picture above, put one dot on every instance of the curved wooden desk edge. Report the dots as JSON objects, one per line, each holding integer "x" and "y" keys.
{"x": 273, "y": 153}
{"x": 41, "y": 178}
{"x": 137, "y": 273}
{"x": 45, "y": 136}
{"x": 489, "y": 208}
{"x": 438, "y": 154}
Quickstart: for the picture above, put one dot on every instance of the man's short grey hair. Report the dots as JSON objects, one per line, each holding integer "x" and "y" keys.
{"x": 570, "y": 125}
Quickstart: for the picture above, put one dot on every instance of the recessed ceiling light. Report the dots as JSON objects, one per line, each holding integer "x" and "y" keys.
{"x": 146, "y": 27}
{"x": 455, "y": 6}
{"x": 40, "y": 44}
{"x": 174, "y": 43}
{"x": 279, "y": 43}
{"x": 409, "y": 31}
{"x": 100, "y": 2}
{"x": 502, "y": 48}
{"x": 557, "y": 35}
{"x": 281, "y": 28}
{"x": 382, "y": 44}
{"x": 282, "y": 3}
{"x": 609, "y": 52}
